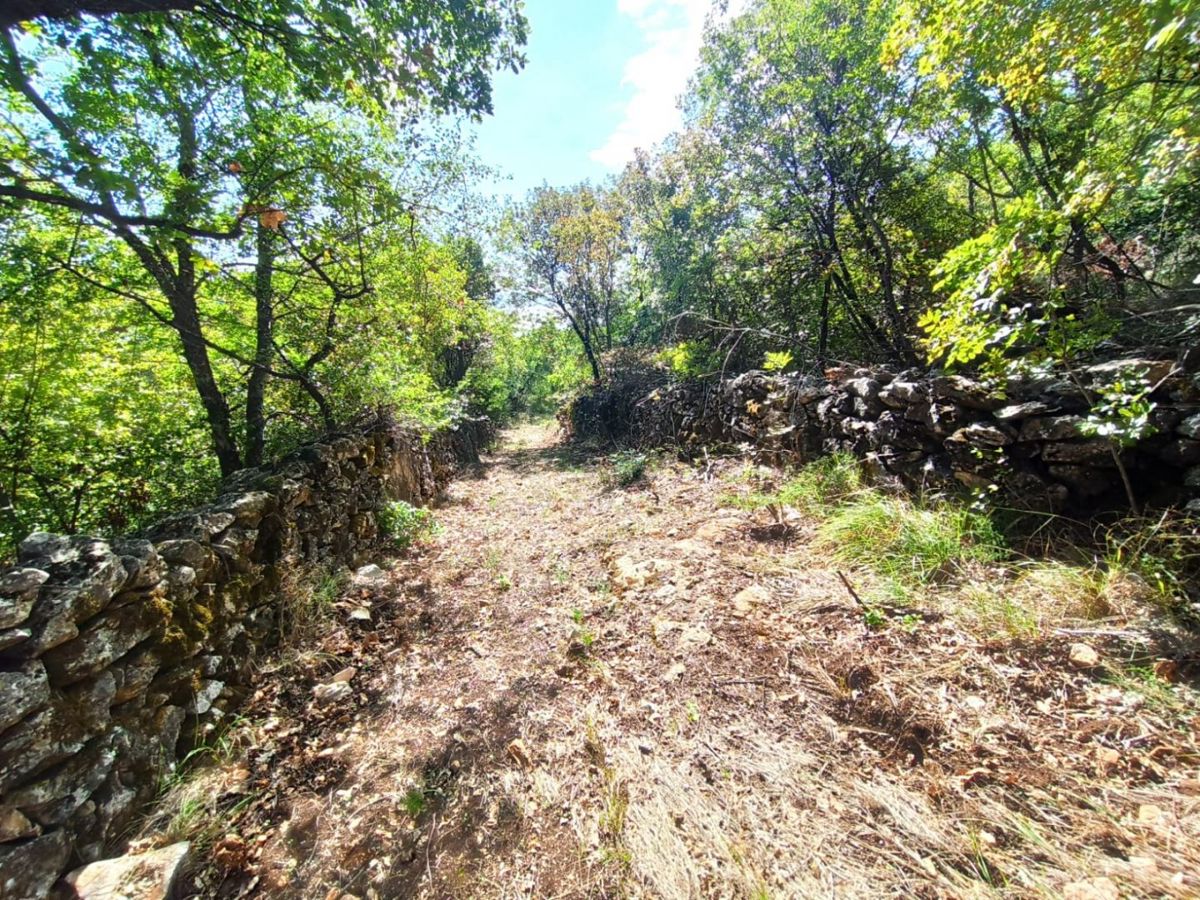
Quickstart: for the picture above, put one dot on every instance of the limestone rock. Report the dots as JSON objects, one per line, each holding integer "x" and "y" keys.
{"x": 866, "y": 388}
{"x": 900, "y": 394}
{"x": 142, "y": 876}
{"x": 52, "y": 800}
{"x": 108, "y": 638}
{"x": 981, "y": 434}
{"x": 1190, "y": 427}
{"x": 1155, "y": 369}
{"x": 808, "y": 388}
{"x": 249, "y": 508}
{"x": 143, "y": 565}
{"x": 332, "y": 692}
{"x": 628, "y": 575}
{"x": 206, "y": 695}
{"x": 369, "y": 577}
{"x": 22, "y": 691}
{"x": 745, "y": 600}
{"x": 1096, "y": 452}
{"x": 43, "y": 546}
{"x": 14, "y": 825}
{"x": 18, "y": 591}
{"x": 693, "y": 637}
{"x": 28, "y": 870}
{"x": 84, "y": 573}
{"x": 1083, "y": 656}
{"x": 1180, "y": 453}
{"x": 134, "y": 675}
{"x": 964, "y": 391}
{"x": 187, "y": 553}
{"x": 11, "y": 637}
{"x": 1059, "y": 428}
{"x": 46, "y": 737}
{"x": 1083, "y": 480}
{"x": 1018, "y": 411}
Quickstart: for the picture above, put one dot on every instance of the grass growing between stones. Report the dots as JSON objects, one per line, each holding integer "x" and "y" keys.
{"x": 306, "y": 602}
{"x": 206, "y": 788}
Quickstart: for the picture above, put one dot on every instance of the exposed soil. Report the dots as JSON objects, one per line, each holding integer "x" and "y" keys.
{"x": 582, "y": 690}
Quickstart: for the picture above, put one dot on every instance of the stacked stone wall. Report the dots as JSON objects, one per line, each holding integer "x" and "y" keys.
{"x": 1022, "y": 440}
{"x": 115, "y": 655}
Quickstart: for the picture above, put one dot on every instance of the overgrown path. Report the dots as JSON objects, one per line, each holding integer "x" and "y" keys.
{"x": 578, "y": 689}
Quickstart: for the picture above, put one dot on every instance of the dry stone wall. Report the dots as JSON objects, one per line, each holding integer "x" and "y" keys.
{"x": 116, "y": 654}
{"x": 932, "y": 431}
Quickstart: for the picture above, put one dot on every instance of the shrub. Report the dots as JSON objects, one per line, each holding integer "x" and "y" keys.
{"x": 628, "y": 466}
{"x": 404, "y": 523}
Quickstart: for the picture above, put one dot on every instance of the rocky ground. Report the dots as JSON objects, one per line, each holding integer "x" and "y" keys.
{"x": 576, "y": 689}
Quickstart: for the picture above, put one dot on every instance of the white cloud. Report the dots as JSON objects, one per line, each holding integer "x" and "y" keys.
{"x": 673, "y": 31}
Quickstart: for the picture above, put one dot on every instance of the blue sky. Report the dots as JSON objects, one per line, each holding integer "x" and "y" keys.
{"x": 603, "y": 77}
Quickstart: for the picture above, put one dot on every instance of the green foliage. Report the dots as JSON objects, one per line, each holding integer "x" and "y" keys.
{"x": 1087, "y": 124}
{"x": 627, "y": 467}
{"x": 1164, "y": 553}
{"x": 689, "y": 359}
{"x": 777, "y": 361}
{"x": 568, "y": 248}
{"x": 1122, "y": 412}
{"x": 404, "y": 524}
{"x": 415, "y": 802}
{"x": 208, "y": 250}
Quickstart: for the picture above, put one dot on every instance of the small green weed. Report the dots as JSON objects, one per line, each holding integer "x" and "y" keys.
{"x": 875, "y": 618}
{"x": 626, "y": 467}
{"x": 415, "y": 802}
{"x": 1142, "y": 680}
{"x": 405, "y": 524}
{"x": 582, "y": 635}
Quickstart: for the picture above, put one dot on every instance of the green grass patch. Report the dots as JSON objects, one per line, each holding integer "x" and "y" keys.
{"x": 906, "y": 543}
{"x": 817, "y": 488}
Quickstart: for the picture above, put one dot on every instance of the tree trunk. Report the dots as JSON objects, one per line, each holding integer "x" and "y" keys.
{"x": 823, "y": 341}
{"x": 195, "y": 352}
{"x": 264, "y": 312}
{"x": 185, "y": 313}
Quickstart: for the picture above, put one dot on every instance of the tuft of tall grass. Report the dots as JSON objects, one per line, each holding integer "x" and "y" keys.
{"x": 816, "y": 488}
{"x": 907, "y": 543}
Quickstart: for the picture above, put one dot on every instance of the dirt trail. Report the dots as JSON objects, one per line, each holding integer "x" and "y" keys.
{"x": 579, "y": 690}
